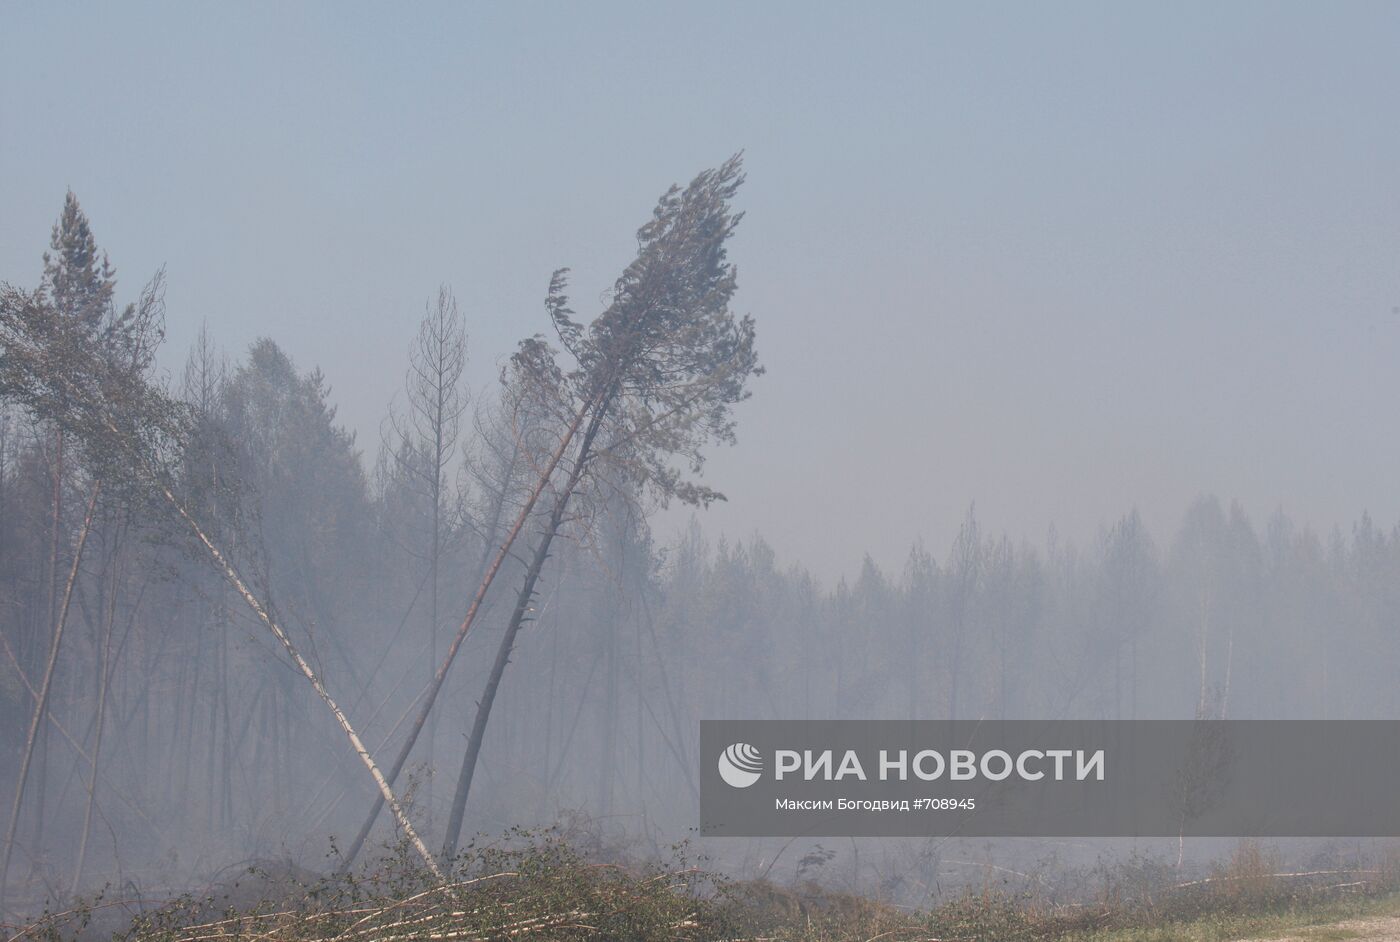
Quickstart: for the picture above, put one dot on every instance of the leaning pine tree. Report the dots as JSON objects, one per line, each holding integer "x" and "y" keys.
{"x": 642, "y": 390}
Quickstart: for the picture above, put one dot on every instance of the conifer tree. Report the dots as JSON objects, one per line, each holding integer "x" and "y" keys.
{"x": 79, "y": 281}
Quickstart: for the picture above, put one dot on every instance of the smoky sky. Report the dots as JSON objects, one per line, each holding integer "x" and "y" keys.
{"x": 1057, "y": 260}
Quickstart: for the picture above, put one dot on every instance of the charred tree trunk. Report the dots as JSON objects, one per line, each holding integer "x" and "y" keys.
{"x": 493, "y": 682}
{"x": 517, "y": 618}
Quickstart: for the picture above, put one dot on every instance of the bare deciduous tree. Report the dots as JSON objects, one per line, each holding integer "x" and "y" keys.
{"x": 423, "y": 439}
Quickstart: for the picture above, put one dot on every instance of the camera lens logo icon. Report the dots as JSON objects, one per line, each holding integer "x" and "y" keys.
{"x": 740, "y": 765}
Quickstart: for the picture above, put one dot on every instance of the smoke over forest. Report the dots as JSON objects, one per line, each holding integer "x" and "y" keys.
{"x": 491, "y": 569}
{"x": 176, "y": 734}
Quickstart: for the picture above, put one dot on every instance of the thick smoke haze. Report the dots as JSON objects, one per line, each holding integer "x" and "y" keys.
{"x": 1046, "y": 356}
{"x": 1061, "y": 262}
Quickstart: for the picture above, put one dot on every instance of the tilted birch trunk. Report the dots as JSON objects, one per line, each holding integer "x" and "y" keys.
{"x": 386, "y": 792}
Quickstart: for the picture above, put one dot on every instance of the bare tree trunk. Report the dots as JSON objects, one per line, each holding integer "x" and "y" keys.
{"x": 34, "y": 696}
{"x": 548, "y": 751}
{"x": 41, "y": 705}
{"x": 434, "y": 564}
{"x": 55, "y": 530}
{"x": 1229, "y": 667}
{"x": 911, "y": 666}
{"x": 102, "y": 683}
{"x": 609, "y": 765}
{"x": 1134, "y": 675}
{"x": 1204, "y": 635}
{"x": 430, "y": 430}
{"x": 955, "y": 672}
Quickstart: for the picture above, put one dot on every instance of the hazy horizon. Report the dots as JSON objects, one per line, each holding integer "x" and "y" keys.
{"x": 1060, "y": 262}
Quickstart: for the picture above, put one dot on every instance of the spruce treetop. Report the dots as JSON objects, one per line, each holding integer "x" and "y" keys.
{"x": 78, "y": 279}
